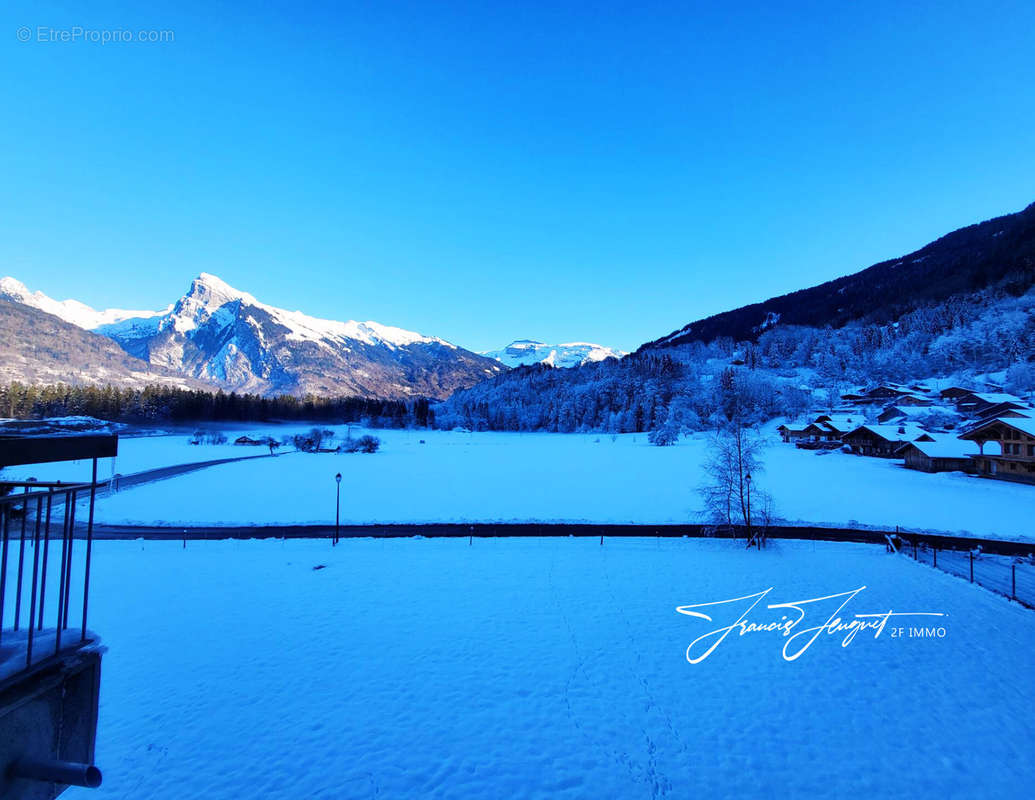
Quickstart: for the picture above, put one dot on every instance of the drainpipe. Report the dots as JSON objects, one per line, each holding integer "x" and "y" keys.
{"x": 69, "y": 773}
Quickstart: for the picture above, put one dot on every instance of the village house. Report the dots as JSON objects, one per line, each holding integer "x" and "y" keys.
{"x": 912, "y": 400}
{"x": 881, "y": 441}
{"x": 894, "y": 413}
{"x": 887, "y": 391}
{"x": 980, "y": 404}
{"x": 821, "y": 434}
{"x": 825, "y": 430}
{"x": 954, "y": 393}
{"x": 1005, "y": 410}
{"x": 907, "y": 395}
{"x": 810, "y": 433}
{"x": 842, "y": 423}
{"x": 793, "y": 433}
{"x": 944, "y": 453}
{"x": 1014, "y": 438}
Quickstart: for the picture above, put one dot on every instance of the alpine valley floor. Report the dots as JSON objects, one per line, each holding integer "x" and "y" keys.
{"x": 440, "y": 476}
{"x": 545, "y": 668}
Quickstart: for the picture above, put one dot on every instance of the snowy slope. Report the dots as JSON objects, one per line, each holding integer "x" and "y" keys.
{"x": 523, "y": 352}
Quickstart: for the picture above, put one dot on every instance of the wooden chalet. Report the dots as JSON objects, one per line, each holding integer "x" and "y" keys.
{"x": 841, "y": 423}
{"x": 811, "y": 434}
{"x": 881, "y": 441}
{"x": 943, "y": 453}
{"x": 825, "y": 430}
{"x": 980, "y": 404}
{"x": 887, "y": 391}
{"x": 1014, "y": 438}
{"x": 954, "y": 393}
{"x": 793, "y": 433}
{"x": 912, "y": 400}
{"x": 894, "y": 413}
{"x": 1005, "y": 410}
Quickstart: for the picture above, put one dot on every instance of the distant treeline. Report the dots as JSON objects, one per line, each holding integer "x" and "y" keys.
{"x": 160, "y": 403}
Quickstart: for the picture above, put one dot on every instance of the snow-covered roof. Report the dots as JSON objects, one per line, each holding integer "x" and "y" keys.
{"x": 996, "y": 397}
{"x": 946, "y": 446}
{"x": 907, "y": 411}
{"x": 1025, "y": 424}
{"x": 895, "y": 387}
{"x": 894, "y": 433}
{"x": 841, "y": 422}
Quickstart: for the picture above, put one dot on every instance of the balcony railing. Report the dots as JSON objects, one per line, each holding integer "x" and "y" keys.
{"x": 43, "y": 573}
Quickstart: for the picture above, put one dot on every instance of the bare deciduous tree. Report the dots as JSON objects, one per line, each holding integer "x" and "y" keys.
{"x": 731, "y": 493}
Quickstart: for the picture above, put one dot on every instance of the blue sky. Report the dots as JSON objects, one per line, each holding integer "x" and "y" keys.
{"x": 491, "y": 171}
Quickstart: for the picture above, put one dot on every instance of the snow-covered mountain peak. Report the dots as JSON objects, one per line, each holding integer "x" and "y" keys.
{"x": 13, "y": 288}
{"x": 213, "y": 291}
{"x": 209, "y": 298}
{"x": 523, "y": 352}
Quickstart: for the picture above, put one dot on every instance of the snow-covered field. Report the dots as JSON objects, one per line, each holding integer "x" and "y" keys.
{"x": 550, "y": 668}
{"x": 492, "y": 477}
{"x": 143, "y": 452}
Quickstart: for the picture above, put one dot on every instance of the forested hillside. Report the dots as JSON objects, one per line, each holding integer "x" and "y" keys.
{"x": 787, "y": 369}
{"x": 998, "y": 253}
{"x": 961, "y": 306}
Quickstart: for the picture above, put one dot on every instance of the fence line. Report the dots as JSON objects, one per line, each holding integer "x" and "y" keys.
{"x": 1010, "y": 576}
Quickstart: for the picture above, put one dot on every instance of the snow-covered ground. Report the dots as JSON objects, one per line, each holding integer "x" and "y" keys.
{"x": 544, "y": 668}
{"x": 486, "y": 477}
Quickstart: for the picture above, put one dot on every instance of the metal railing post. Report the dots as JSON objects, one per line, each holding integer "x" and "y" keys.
{"x": 971, "y": 566}
{"x": 21, "y": 562}
{"x": 936, "y": 557}
{"x": 89, "y": 548}
{"x": 1013, "y": 581}
{"x": 46, "y": 553}
{"x": 5, "y": 509}
{"x": 61, "y": 575}
{"x": 35, "y": 576}
{"x": 68, "y": 563}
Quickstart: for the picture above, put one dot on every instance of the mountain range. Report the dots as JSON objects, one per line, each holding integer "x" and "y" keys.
{"x": 524, "y": 352}
{"x": 216, "y": 336}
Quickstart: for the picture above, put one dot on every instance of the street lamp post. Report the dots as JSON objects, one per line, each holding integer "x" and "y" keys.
{"x": 337, "y": 510}
{"x": 748, "y": 520}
